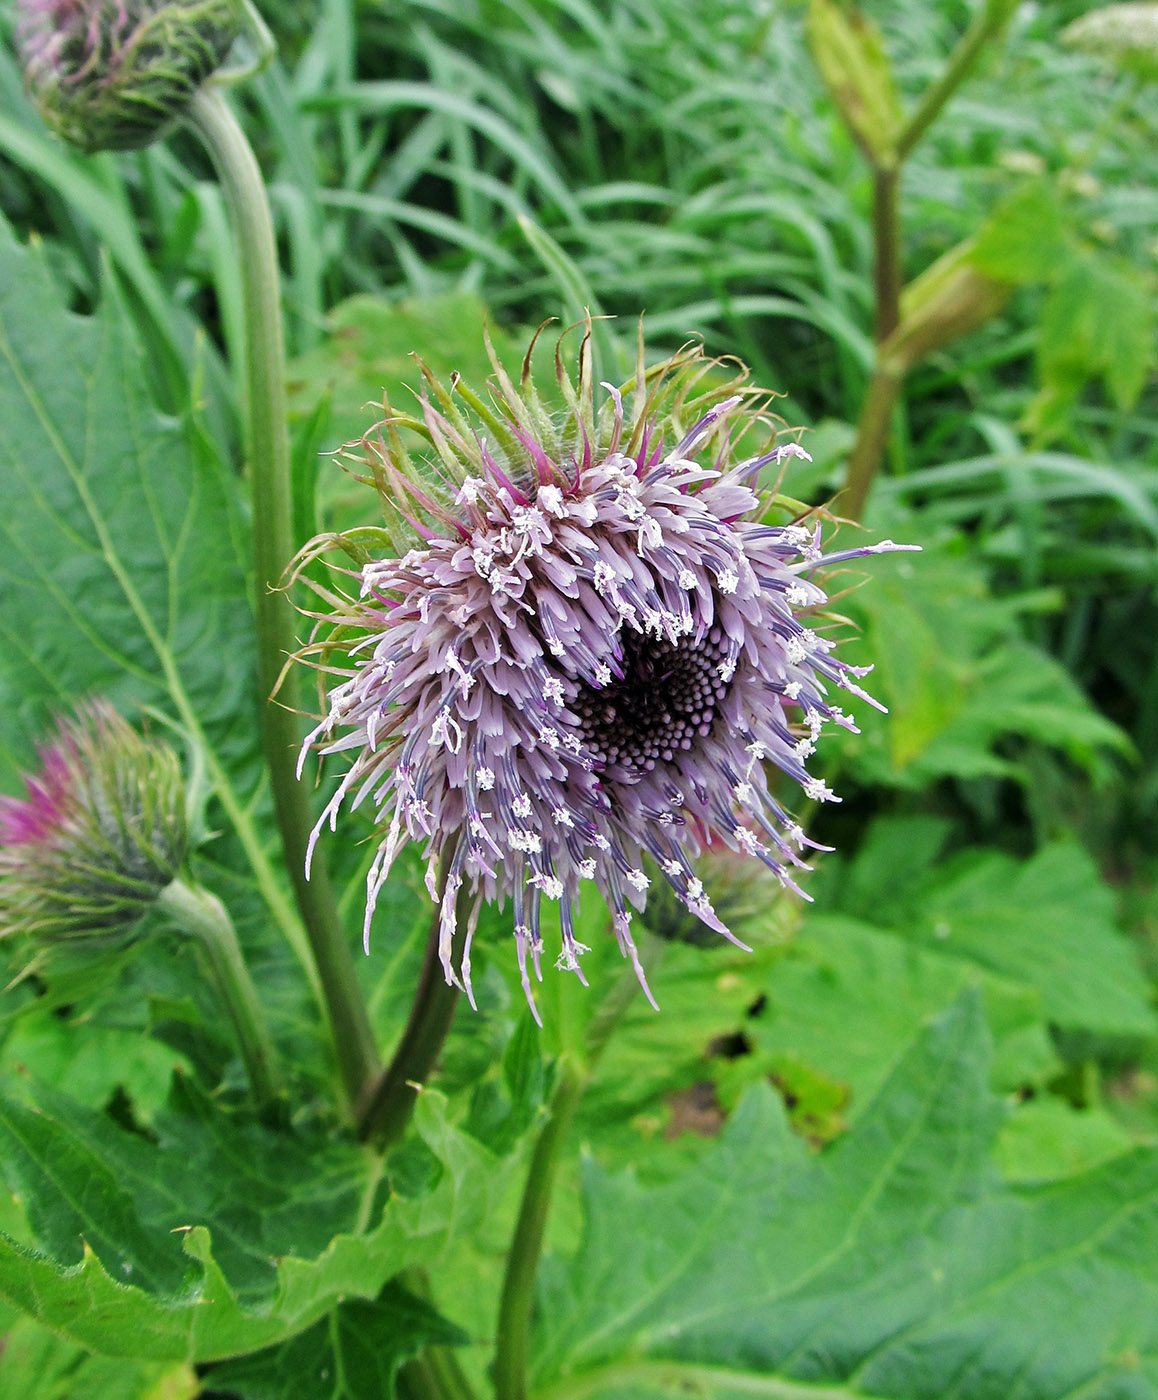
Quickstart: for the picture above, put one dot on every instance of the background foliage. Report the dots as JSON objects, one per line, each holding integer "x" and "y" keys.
{"x": 909, "y": 1144}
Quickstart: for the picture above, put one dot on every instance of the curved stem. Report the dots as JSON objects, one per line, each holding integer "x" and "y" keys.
{"x": 269, "y": 463}
{"x": 387, "y": 1105}
{"x": 198, "y": 912}
{"x": 987, "y": 21}
{"x": 518, "y": 1297}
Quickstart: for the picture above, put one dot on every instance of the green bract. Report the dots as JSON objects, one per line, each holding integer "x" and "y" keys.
{"x": 101, "y": 832}
{"x": 110, "y": 75}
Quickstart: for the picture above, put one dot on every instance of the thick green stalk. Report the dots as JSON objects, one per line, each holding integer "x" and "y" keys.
{"x": 518, "y": 1297}
{"x": 987, "y": 22}
{"x": 269, "y": 464}
{"x": 386, "y": 1108}
{"x": 202, "y": 915}
{"x": 872, "y": 431}
{"x": 886, "y": 250}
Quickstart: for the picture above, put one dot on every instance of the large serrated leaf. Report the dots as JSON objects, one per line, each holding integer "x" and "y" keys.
{"x": 122, "y": 550}
{"x": 892, "y": 1265}
{"x": 220, "y": 1237}
{"x": 354, "y": 1354}
{"x": 121, "y": 565}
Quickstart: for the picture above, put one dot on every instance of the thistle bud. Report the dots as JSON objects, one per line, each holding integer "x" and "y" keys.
{"x": 101, "y": 832}
{"x": 112, "y": 75}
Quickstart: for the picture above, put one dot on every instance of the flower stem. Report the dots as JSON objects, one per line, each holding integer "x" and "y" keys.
{"x": 872, "y": 431}
{"x": 269, "y": 462}
{"x": 518, "y": 1296}
{"x": 987, "y": 22}
{"x": 386, "y": 1108}
{"x": 886, "y": 250}
{"x": 198, "y": 912}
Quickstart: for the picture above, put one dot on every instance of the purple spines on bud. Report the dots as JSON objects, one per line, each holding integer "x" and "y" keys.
{"x": 100, "y": 832}
{"x": 583, "y": 666}
{"x": 111, "y": 75}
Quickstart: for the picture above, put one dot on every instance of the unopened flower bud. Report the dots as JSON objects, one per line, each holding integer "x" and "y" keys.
{"x": 101, "y": 832}
{"x": 111, "y": 75}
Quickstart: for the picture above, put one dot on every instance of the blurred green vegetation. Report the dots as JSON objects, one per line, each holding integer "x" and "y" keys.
{"x": 438, "y": 165}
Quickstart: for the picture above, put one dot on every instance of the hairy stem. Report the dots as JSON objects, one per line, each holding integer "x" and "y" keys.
{"x": 387, "y": 1105}
{"x": 886, "y": 250}
{"x": 872, "y": 431}
{"x": 517, "y": 1302}
{"x": 201, "y": 914}
{"x": 269, "y": 464}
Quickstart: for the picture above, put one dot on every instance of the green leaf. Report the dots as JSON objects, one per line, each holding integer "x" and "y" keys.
{"x": 848, "y": 997}
{"x": 1098, "y": 321}
{"x": 951, "y": 665}
{"x": 894, "y": 1264}
{"x": 123, "y": 550}
{"x": 121, "y": 565}
{"x": 1047, "y": 1138}
{"x": 353, "y": 1354}
{"x": 212, "y": 1237}
{"x": 35, "y": 1364}
{"x": 850, "y": 54}
{"x": 1025, "y": 239}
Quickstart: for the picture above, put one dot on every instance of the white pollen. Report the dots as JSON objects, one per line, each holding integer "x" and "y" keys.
{"x": 743, "y": 793}
{"x": 469, "y": 491}
{"x": 600, "y": 842}
{"x": 522, "y": 805}
{"x": 747, "y": 841}
{"x": 727, "y": 580}
{"x": 638, "y": 879}
{"x": 673, "y": 868}
{"x": 553, "y": 690}
{"x": 551, "y": 886}
{"x": 562, "y": 817}
{"x": 551, "y": 499}
{"x": 556, "y": 648}
{"x": 604, "y": 577}
{"x": 792, "y": 690}
{"x": 587, "y": 869}
{"x": 602, "y": 674}
{"x": 526, "y": 841}
{"x": 686, "y": 579}
{"x": 818, "y": 790}
{"x": 795, "y": 651}
{"x": 485, "y": 778}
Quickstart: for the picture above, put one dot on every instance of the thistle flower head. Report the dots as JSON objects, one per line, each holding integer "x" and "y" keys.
{"x": 587, "y": 647}
{"x": 111, "y": 75}
{"x": 100, "y": 833}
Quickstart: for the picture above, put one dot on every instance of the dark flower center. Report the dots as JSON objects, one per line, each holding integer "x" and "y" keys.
{"x": 668, "y": 698}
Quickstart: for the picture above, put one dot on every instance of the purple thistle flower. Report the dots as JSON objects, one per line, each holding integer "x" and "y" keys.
{"x": 590, "y": 656}
{"x": 100, "y": 833}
